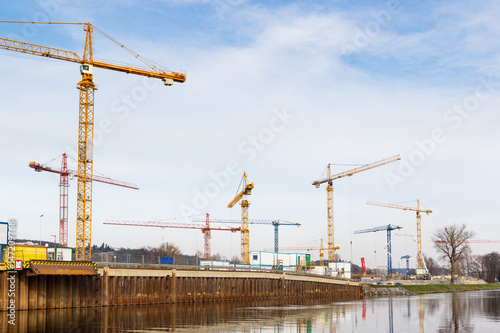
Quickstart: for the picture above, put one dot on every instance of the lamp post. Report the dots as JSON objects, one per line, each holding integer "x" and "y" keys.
{"x": 41, "y": 229}
{"x": 55, "y": 247}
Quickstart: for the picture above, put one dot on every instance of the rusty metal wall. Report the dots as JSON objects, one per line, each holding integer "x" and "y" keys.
{"x": 60, "y": 291}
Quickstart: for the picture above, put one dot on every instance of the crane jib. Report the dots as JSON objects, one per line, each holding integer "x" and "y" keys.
{"x": 51, "y": 52}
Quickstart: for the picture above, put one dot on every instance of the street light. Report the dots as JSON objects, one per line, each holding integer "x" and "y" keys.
{"x": 41, "y": 229}
{"x": 55, "y": 247}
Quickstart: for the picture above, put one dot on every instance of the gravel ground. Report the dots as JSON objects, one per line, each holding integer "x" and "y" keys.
{"x": 393, "y": 291}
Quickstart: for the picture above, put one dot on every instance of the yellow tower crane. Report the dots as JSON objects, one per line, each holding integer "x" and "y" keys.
{"x": 329, "y": 195}
{"x": 419, "y": 229}
{"x": 246, "y": 190}
{"x": 86, "y": 89}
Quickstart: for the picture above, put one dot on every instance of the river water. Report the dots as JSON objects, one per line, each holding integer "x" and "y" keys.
{"x": 477, "y": 311}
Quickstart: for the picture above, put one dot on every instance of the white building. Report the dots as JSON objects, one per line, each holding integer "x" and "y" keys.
{"x": 60, "y": 253}
{"x": 280, "y": 260}
{"x": 340, "y": 269}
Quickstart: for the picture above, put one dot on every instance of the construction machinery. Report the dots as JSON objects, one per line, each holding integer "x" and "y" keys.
{"x": 329, "y": 195}
{"x": 275, "y": 223}
{"x": 407, "y": 257}
{"x": 422, "y": 273}
{"x": 205, "y": 228}
{"x": 389, "y": 228}
{"x": 86, "y": 89}
{"x": 419, "y": 229}
{"x": 65, "y": 175}
{"x": 246, "y": 190}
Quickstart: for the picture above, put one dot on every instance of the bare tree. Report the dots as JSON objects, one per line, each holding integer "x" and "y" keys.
{"x": 235, "y": 259}
{"x": 491, "y": 266}
{"x": 431, "y": 264}
{"x": 450, "y": 241}
{"x": 168, "y": 250}
{"x": 472, "y": 265}
{"x": 218, "y": 256}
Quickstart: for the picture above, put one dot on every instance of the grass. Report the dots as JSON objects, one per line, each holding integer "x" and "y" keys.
{"x": 444, "y": 288}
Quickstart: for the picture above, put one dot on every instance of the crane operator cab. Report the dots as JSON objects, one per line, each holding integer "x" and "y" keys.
{"x": 86, "y": 69}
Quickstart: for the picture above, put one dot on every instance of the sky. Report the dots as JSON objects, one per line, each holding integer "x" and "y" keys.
{"x": 278, "y": 89}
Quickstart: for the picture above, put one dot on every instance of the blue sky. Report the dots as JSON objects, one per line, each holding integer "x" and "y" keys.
{"x": 276, "y": 88}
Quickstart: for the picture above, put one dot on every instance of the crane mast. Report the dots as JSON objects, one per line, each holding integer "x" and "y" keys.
{"x": 419, "y": 224}
{"x": 246, "y": 190}
{"x": 329, "y": 196}
{"x": 330, "y": 222}
{"x": 86, "y": 89}
{"x": 63, "y": 202}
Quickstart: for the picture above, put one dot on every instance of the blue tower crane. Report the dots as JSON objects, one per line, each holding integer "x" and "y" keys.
{"x": 407, "y": 257}
{"x": 389, "y": 228}
{"x": 275, "y": 223}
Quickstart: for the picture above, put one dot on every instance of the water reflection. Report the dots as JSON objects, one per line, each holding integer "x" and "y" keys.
{"x": 459, "y": 312}
{"x": 468, "y": 310}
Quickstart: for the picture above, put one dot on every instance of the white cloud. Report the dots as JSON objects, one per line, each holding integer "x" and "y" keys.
{"x": 286, "y": 59}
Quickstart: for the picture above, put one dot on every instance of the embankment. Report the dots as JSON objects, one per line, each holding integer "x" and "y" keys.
{"x": 405, "y": 290}
{"x": 445, "y": 288}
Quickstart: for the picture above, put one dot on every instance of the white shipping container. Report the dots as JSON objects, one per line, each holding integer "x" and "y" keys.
{"x": 285, "y": 257}
{"x": 214, "y": 263}
{"x": 340, "y": 269}
{"x": 264, "y": 259}
{"x": 320, "y": 270}
{"x": 62, "y": 254}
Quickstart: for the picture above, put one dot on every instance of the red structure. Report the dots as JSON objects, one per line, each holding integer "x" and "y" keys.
{"x": 65, "y": 176}
{"x": 63, "y": 202}
{"x": 482, "y": 241}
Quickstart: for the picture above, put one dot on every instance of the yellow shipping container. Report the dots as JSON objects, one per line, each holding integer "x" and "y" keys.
{"x": 25, "y": 252}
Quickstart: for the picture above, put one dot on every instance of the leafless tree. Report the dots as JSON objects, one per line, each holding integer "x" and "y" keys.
{"x": 235, "y": 259}
{"x": 472, "y": 265}
{"x": 168, "y": 250}
{"x": 491, "y": 266}
{"x": 218, "y": 256}
{"x": 450, "y": 241}
{"x": 431, "y": 264}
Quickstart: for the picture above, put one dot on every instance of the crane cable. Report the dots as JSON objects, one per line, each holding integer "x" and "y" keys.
{"x": 146, "y": 61}
{"x": 240, "y": 185}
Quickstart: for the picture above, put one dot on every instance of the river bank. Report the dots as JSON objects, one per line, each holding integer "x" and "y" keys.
{"x": 445, "y": 288}
{"x": 405, "y": 290}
